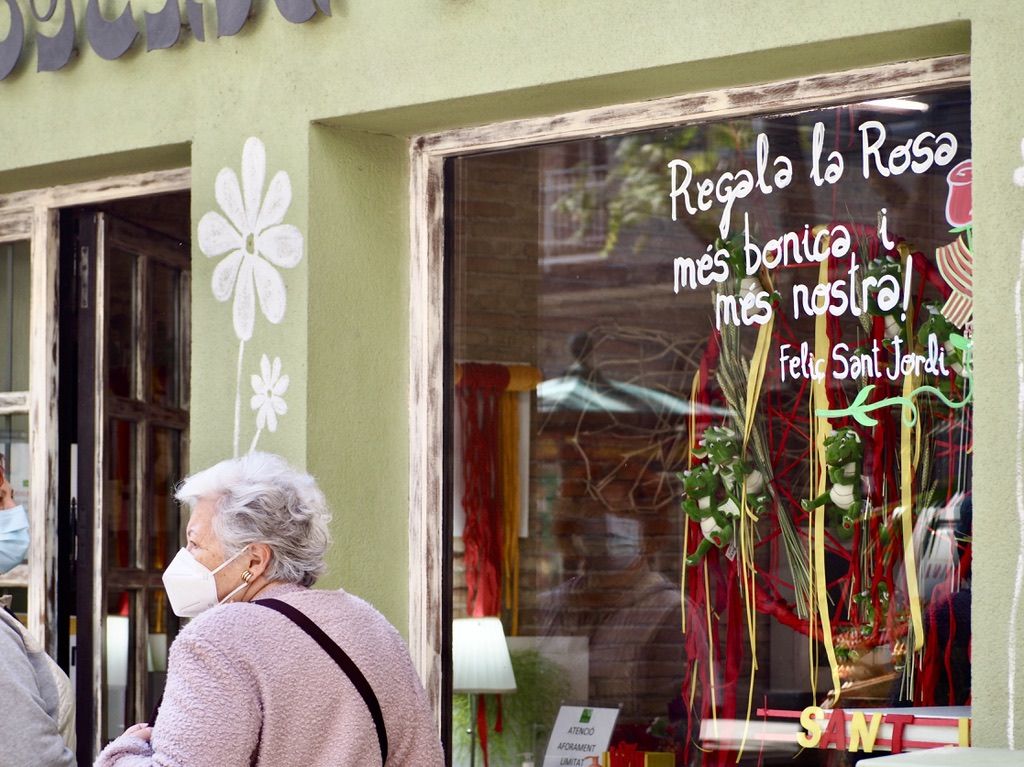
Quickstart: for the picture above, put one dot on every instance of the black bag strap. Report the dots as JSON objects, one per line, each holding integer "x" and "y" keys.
{"x": 340, "y": 657}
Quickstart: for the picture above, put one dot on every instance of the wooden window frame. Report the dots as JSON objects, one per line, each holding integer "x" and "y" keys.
{"x": 427, "y": 269}
{"x": 34, "y": 215}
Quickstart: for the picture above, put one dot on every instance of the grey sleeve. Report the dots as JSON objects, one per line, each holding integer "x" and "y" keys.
{"x": 28, "y": 735}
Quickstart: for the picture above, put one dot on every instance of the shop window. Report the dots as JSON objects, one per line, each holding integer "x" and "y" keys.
{"x": 14, "y": 444}
{"x": 15, "y": 459}
{"x": 711, "y": 409}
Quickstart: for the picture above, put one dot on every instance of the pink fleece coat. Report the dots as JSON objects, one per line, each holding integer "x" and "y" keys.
{"x": 247, "y": 687}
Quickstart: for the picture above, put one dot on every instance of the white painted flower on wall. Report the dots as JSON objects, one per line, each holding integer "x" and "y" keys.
{"x": 248, "y": 233}
{"x": 268, "y": 397}
{"x": 269, "y": 388}
{"x": 253, "y": 238}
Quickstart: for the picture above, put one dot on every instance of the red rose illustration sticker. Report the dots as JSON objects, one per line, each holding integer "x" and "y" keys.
{"x": 956, "y": 260}
{"x": 959, "y": 205}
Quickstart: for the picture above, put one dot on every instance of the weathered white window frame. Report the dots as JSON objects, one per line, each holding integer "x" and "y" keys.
{"x": 34, "y": 215}
{"x": 428, "y": 153}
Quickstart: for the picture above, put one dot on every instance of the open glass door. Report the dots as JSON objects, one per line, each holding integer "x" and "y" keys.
{"x": 132, "y": 397}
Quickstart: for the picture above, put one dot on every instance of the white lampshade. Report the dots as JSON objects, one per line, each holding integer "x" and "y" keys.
{"x": 480, "y": 657}
{"x": 118, "y": 635}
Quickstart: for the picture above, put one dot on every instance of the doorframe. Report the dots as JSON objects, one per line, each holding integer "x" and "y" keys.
{"x": 429, "y": 377}
{"x": 35, "y": 215}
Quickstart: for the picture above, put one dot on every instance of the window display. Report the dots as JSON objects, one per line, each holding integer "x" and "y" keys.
{"x": 712, "y": 426}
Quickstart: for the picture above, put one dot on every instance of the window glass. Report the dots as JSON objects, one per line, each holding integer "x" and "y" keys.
{"x": 165, "y": 331}
{"x": 165, "y": 459}
{"x": 15, "y": 279}
{"x": 118, "y": 647}
{"x": 122, "y": 323}
{"x": 710, "y": 381}
{"x": 18, "y": 462}
{"x": 119, "y": 494}
{"x": 162, "y": 628}
{"x": 18, "y": 596}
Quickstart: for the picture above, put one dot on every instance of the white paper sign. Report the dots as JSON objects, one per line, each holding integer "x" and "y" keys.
{"x": 580, "y": 732}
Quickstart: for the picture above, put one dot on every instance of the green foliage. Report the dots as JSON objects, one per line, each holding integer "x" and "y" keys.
{"x": 636, "y": 186}
{"x": 527, "y": 714}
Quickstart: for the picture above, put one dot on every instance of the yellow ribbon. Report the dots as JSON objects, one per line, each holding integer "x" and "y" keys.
{"x": 691, "y": 442}
{"x": 755, "y": 380}
{"x": 812, "y": 645}
{"x": 822, "y": 350}
{"x": 509, "y": 438}
{"x": 907, "y": 466}
{"x": 758, "y": 367}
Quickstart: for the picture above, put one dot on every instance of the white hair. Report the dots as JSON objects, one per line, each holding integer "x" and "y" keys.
{"x": 259, "y": 498}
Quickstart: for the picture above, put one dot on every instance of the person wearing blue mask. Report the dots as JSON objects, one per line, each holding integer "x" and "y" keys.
{"x": 38, "y": 723}
{"x": 13, "y": 530}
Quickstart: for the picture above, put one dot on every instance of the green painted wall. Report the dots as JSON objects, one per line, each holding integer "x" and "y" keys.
{"x": 357, "y": 435}
{"x": 334, "y": 101}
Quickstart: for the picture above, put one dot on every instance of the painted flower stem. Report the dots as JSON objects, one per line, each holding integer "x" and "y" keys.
{"x": 238, "y": 397}
{"x": 255, "y": 439}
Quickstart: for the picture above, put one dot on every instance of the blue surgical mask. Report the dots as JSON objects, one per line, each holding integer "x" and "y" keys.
{"x": 623, "y": 540}
{"x": 13, "y": 537}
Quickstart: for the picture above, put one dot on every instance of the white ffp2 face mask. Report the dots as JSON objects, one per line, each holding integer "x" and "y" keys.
{"x": 190, "y": 587}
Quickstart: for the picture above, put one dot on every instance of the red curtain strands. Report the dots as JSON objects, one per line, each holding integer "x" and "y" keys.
{"x": 478, "y": 393}
{"x": 479, "y": 390}
{"x": 489, "y": 407}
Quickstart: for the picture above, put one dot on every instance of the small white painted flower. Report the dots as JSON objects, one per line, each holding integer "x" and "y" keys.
{"x": 269, "y": 389}
{"x": 253, "y": 238}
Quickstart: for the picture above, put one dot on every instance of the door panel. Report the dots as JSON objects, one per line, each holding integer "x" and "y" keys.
{"x": 132, "y": 425}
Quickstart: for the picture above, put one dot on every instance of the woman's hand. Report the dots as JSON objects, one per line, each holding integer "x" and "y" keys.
{"x": 141, "y": 730}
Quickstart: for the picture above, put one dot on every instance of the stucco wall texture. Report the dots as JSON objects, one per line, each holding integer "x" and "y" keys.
{"x": 335, "y": 101}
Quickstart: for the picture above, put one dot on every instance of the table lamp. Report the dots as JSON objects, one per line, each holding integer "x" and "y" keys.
{"x": 480, "y": 664}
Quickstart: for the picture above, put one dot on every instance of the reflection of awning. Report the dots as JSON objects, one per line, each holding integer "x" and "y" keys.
{"x": 574, "y": 393}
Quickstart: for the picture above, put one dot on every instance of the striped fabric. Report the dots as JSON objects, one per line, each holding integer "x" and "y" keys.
{"x": 956, "y": 266}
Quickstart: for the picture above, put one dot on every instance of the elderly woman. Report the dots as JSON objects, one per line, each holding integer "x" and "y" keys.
{"x": 247, "y": 683}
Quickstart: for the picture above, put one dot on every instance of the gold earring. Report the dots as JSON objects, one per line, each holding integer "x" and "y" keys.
{"x": 246, "y": 576}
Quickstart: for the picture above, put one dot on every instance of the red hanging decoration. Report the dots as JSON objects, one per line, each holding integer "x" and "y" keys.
{"x": 481, "y": 726}
{"x": 478, "y": 393}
